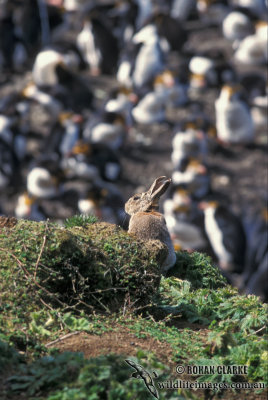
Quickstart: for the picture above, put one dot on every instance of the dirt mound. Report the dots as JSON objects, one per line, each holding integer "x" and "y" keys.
{"x": 116, "y": 342}
{"x": 97, "y": 266}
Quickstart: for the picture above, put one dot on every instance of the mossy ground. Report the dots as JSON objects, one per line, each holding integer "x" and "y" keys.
{"x": 96, "y": 266}
{"x": 96, "y": 292}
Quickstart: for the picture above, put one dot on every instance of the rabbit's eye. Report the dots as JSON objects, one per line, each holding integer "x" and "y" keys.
{"x": 136, "y": 197}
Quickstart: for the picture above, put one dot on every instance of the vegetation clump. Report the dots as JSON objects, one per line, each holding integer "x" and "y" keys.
{"x": 94, "y": 278}
{"x": 96, "y": 266}
{"x": 80, "y": 220}
{"x": 103, "y": 377}
{"x": 198, "y": 269}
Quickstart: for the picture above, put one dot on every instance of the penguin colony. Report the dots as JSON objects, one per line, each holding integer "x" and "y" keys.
{"x": 58, "y": 49}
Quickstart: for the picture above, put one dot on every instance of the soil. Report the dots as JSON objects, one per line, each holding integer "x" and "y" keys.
{"x": 118, "y": 342}
{"x": 121, "y": 341}
{"x": 125, "y": 343}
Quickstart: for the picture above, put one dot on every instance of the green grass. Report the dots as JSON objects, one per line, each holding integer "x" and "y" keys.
{"x": 68, "y": 376}
{"x": 97, "y": 267}
{"x": 47, "y": 277}
{"x": 238, "y": 324}
{"x": 80, "y": 220}
{"x": 198, "y": 269}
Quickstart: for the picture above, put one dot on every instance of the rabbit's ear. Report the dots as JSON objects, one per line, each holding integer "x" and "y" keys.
{"x": 159, "y": 186}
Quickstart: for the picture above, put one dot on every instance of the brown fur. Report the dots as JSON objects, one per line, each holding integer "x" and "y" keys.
{"x": 146, "y": 222}
{"x": 150, "y": 225}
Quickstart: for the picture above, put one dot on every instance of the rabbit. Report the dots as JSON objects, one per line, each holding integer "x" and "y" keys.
{"x": 147, "y": 223}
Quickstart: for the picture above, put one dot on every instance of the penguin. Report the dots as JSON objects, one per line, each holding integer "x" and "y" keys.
{"x": 126, "y": 64}
{"x": 59, "y": 53}
{"x": 256, "y": 225}
{"x": 183, "y": 10}
{"x": 181, "y": 197}
{"x": 123, "y": 14}
{"x": 35, "y": 95}
{"x": 27, "y": 207}
{"x": 30, "y": 25}
{"x": 110, "y": 130}
{"x": 188, "y": 142}
{"x": 69, "y": 10}
{"x": 102, "y": 200}
{"x": 199, "y": 118}
{"x": 11, "y": 134}
{"x": 195, "y": 177}
{"x": 236, "y": 26}
{"x": 252, "y": 50}
{"x": 73, "y": 91}
{"x": 257, "y": 283}
{"x": 254, "y": 84}
{"x": 44, "y": 180}
{"x": 225, "y": 234}
{"x": 199, "y": 67}
{"x": 210, "y": 69}
{"x": 9, "y": 103}
{"x": 9, "y": 166}
{"x": 37, "y": 21}
{"x": 258, "y": 110}
{"x": 145, "y": 11}
{"x": 184, "y": 233}
{"x": 150, "y": 109}
{"x": 258, "y": 8}
{"x": 8, "y": 39}
{"x": 72, "y": 57}
{"x": 94, "y": 160}
{"x": 53, "y": 73}
{"x": 212, "y": 12}
{"x": 98, "y": 45}
{"x": 44, "y": 67}
{"x": 150, "y": 58}
{"x": 121, "y": 100}
{"x": 92, "y": 202}
{"x": 171, "y": 30}
{"x": 174, "y": 89}
{"x": 77, "y": 166}
{"x": 166, "y": 93}
{"x": 180, "y": 203}
{"x": 130, "y": 16}
{"x": 233, "y": 119}
{"x": 63, "y": 135}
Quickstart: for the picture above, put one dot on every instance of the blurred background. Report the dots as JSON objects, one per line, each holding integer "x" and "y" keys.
{"x": 98, "y": 98}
